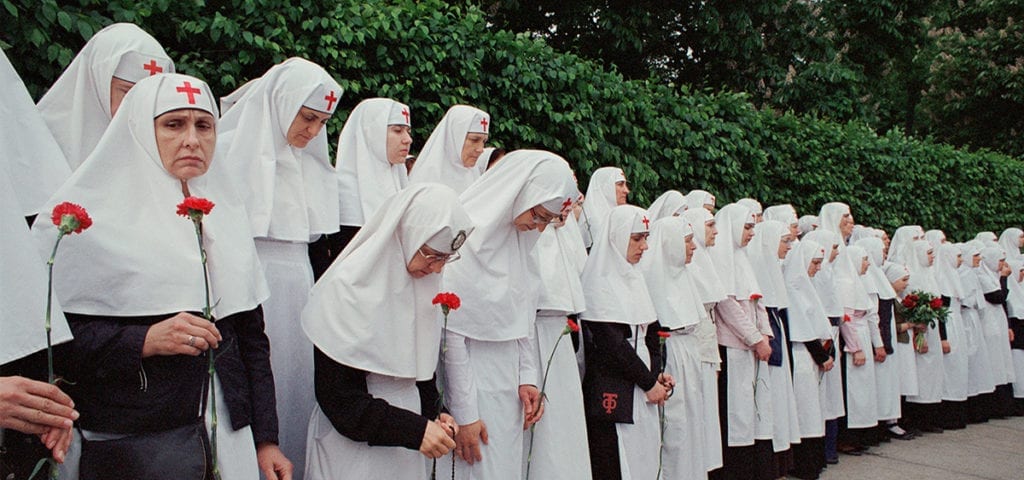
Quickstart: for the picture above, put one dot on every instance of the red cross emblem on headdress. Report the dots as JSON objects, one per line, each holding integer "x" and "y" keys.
{"x": 405, "y": 113}
{"x": 484, "y": 123}
{"x": 152, "y": 67}
{"x": 189, "y": 90}
{"x": 647, "y": 223}
{"x": 567, "y": 203}
{"x": 330, "y": 100}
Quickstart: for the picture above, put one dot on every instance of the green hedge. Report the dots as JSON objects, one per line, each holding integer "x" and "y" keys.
{"x": 431, "y": 55}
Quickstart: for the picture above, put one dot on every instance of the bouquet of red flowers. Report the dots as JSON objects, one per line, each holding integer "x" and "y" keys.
{"x": 922, "y": 308}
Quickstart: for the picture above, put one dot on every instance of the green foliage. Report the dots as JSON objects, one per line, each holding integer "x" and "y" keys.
{"x": 431, "y": 54}
{"x": 975, "y": 94}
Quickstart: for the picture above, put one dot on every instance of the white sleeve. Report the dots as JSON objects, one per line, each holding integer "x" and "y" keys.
{"x": 529, "y": 350}
{"x": 460, "y": 390}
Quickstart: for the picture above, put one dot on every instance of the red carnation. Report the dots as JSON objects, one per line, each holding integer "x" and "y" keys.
{"x": 909, "y": 302}
{"x": 571, "y": 325}
{"x": 755, "y": 297}
{"x": 448, "y": 301}
{"x": 846, "y": 318}
{"x": 195, "y": 206}
{"x": 664, "y": 334}
{"x": 70, "y": 218}
{"x": 936, "y": 303}
{"x": 914, "y": 297}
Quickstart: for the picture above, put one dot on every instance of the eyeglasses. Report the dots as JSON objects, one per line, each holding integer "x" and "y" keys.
{"x": 544, "y": 219}
{"x": 434, "y": 259}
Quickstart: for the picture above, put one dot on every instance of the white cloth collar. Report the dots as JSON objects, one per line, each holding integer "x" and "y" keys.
{"x": 139, "y": 257}
{"x": 291, "y": 194}
{"x": 367, "y": 311}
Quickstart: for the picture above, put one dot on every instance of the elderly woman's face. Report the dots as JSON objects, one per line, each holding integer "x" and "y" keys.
{"x": 621, "y": 192}
{"x": 306, "y": 126}
{"x": 472, "y": 148}
{"x": 185, "y": 140}
{"x": 846, "y": 225}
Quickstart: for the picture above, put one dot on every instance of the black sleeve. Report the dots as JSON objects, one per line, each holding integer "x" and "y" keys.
{"x": 429, "y": 398}
{"x": 942, "y": 325}
{"x": 998, "y": 297}
{"x": 653, "y": 342}
{"x": 613, "y": 343}
{"x": 104, "y": 347}
{"x": 884, "y": 322}
{"x": 254, "y": 348}
{"x": 817, "y": 352}
{"x": 342, "y": 394}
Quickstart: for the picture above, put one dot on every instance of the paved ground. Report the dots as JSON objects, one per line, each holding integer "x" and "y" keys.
{"x": 990, "y": 451}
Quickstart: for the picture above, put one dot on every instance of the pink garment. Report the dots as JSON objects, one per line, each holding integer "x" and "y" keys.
{"x": 741, "y": 324}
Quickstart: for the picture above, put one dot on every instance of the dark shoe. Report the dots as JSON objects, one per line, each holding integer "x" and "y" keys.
{"x": 852, "y": 450}
{"x": 832, "y": 461}
{"x": 894, "y": 431}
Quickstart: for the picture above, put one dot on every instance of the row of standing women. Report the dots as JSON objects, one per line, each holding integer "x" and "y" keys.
{"x": 709, "y": 343}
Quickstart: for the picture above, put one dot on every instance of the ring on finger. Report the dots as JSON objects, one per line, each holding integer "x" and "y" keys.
{"x": 192, "y": 340}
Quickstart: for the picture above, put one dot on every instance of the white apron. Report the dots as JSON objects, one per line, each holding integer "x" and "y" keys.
{"x": 740, "y": 406}
{"x": 1018, "y": 367}
{"x": 333, "y": 456}
{"x": 809, "y": 389}
{"x": 785, "y": 425}
{"x": 887, "y": 382}
{"x": 861, "y": 396}
{"x": 832, "y": 405}
{"x": 954, "y": 364}
{"x": 682, "y": 453}
{"x": 712, "y": 428}
{"x": 907, "y": 359}
{"x": 979, "y": 375}
{"x": 560, "y": 438}
{"x": 290, "y": 278}
{"x": 496, "y": 375}
{"x": 236, "y": 451}
{"x": 929, "y": 369}
{"x": 639, "y": 441}
{"x": 997, "y": 343}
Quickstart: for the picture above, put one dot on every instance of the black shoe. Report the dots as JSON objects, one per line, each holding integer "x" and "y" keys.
{"x": 832, "y": 461}
{"x": 898, "y": 433}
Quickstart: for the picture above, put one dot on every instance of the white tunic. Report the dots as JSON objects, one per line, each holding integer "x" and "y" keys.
{"x": 979, "y": 375}
{"x": 331, "y": 455}
{"x": 560, "y": 438}
{"x": 887, "y": 381}
{"x": 954, "y": 363}
{"x": 809, "y": 387}
{"x": 929, "y": 369}
{"x": 287, "y": 269}
{"x": 861, "y": 397}
{"x": 683, "y": 455}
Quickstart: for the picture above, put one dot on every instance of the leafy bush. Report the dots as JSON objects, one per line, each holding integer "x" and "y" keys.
{"x": 431, "y": 55}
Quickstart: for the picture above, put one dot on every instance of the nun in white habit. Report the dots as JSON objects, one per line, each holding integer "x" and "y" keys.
{"x": 786, "y": 214}
{"x": 1015, "y": 314}
{"x": 371, "y": 168}
{"x": 979, "y": 375}
{"x": 1011, "y": 240}
{"x": 137, "y": 363}
{"x": 922, "y": 409}
{"x": 679, "y": 309}
{"x": 491, "y": 370}
{"x": 80, "y": 104}
{"x": 743, "y": 337}
{"x": 988, "y": 239}
{"x": 607, "y": 188}
{"x": 833, "y": 405}
{"x": 450, "y": 155}
{"x": 377, "y": 412}
{"x": 23, "y": 361}
{"x": 275, "y": 153}
{"x": 709, "y": 291}
{"x": 879, "y": 287}
{"x": 899, "y": 248}
{"x": 700, "y": 199}
{"x": 669, "y": 204}
{"x": 772, "y": 242}
{"x": 807, "y": 224}
{"x": 31, "y": 158}
{"x": 993, "y": 275}
{"x": 560, "y": 440}
{"x": 622, "y": 343}
{"x": 808, "y": 331}
{"x": 954, "y": 346}
{"x": 754, "y": 206}
{"x": 863, "y": 341}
